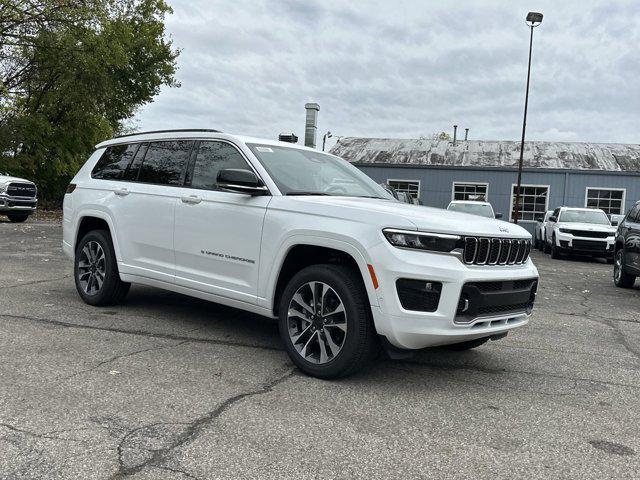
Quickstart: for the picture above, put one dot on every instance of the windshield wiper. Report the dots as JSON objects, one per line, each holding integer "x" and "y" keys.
{"x": 306, "y": 193}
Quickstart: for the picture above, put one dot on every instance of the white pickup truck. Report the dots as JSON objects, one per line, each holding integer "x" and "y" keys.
{"x": 18, "y": 197}
{"x": 292, "y": 233}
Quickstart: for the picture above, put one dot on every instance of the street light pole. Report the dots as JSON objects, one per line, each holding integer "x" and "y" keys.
{"x": 534, "y": 19}
{"x": 324, "y": 139}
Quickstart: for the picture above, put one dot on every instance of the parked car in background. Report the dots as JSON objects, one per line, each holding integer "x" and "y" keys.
{"x": 539, "y": 233}
{"x": 18, "y": 197}
{"x": 582, "y": 231}
{"x": 627, "y": 249}
{"x": 292, "y": 233}
{"x": 473, "y": 207}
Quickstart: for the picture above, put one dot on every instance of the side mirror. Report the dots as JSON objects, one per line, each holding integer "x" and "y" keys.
{"x": 539, "y": 218}
{"x": 553, "y": 218}
{"x": 240, "y": 181}
{"x": 614, "y": 223}
{"x": 498, "y": 215}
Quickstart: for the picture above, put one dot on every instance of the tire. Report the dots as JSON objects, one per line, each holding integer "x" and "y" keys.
{"x": 555, "y": 251}
{"x": 546, "y": 248}
{"x": 461, "y": 347}
{"x": 350, "y": 329}
{"x": 87, "y": 271}
{"x": 621, "y": 279}
{"x": 17, "y": 217}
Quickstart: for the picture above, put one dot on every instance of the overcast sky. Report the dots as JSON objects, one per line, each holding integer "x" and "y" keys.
{"x": 404, "y": 68}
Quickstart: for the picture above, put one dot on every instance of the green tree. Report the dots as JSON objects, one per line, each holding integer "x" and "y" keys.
{"x": 73, "y": 72}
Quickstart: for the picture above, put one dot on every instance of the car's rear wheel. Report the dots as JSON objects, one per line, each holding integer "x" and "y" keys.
{"x": 620, "y": 277}
{"x": 325, "y": 321}
{"x": 546, "y": 248}
{"x": 96, "y": 270}
{"x": 17, "y": 217}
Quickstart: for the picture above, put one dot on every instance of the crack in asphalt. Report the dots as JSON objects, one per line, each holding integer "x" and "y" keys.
{"x": 124, "y": 355}
{"x": 35, "y": 282}
{"x": 190, "y": 433}
{"x": 167, "y": 336}
{"x": 45, "y": 436}
{"x": 176, "y": 470}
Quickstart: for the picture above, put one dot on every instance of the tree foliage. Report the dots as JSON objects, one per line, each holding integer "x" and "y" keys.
{"x": 72, "y": 72}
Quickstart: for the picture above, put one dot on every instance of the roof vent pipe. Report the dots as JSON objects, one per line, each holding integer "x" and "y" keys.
{"x": 455, "y": 134}
{"x": 311, "y": 124}
{"x": 466, "y": 134}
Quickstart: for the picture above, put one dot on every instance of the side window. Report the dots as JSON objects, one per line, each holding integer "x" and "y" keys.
{"x": 131, "y": 173}
{"x": 114, "y": 162}
{"x": 211, "y": 158}
{"x": 556, "y": 213}
{"x": 165, "y": 161}
{"x": 633, "y": 214}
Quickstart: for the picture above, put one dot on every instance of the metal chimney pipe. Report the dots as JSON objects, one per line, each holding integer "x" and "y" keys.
{"x": 455, "y": 134}
{"x": 311, "y": 124}
{"x": 466, "y": 134}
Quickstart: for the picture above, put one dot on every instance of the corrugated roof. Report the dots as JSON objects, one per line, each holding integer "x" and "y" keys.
{"x": 480, "y": 153}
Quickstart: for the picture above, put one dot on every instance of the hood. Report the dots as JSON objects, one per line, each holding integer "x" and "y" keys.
{"x": 590, "y": 227}
{"x": 7, "y": 179}
{"x": 388, "y": 213}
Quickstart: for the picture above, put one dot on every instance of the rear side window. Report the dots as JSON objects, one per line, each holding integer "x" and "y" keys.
{"x": 165, "y": 162}
{"x": 633, "y": 214}
{"x": 211, "y": 158}
{"x": 114, "y": 162}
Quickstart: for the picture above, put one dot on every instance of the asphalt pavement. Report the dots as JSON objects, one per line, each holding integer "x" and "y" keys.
{"x": 171, "y": 387}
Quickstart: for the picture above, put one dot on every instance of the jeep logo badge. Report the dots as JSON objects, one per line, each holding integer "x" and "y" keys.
{"x": 503, "y": 229}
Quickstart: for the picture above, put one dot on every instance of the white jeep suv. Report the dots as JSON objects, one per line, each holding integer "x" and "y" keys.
{"x": 581, "y": 231}
{"x": 292, "y": 233}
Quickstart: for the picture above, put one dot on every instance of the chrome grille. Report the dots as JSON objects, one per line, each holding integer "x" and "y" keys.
{"x": 495, "y": 251}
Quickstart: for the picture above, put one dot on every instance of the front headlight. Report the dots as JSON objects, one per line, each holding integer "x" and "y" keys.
{"x": 434, "y": 242}
{"x": 565, "y": 230}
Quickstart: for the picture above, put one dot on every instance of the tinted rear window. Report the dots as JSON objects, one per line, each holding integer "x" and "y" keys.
{"x": 165, "y": 162}
{"x": 114, "y": 162}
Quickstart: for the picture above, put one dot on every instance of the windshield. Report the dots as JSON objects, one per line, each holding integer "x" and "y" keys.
{"x": 481, "y": 209}
{"x": 584, "y": 216}
{"x": 301, "y": 172}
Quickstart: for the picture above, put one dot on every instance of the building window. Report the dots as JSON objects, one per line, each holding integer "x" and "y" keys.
{"x": 534, "y": 201}
{"x": 611, "y": 200}
{"x": 412, "y": 187}
{"x": 470, "y": 191}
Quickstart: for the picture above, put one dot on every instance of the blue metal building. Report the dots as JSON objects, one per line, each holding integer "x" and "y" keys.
{"x": 594, "y": 175}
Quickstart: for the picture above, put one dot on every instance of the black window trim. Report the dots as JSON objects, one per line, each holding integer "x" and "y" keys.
{"x": 195, "y": 140}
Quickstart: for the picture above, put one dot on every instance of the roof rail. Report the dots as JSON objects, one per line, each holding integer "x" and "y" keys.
{"x": 170, "y": 131}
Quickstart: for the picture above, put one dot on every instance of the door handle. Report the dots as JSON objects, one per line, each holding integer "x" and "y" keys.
{"x": 191, "y": 199}
{"x": 121, "y": 192}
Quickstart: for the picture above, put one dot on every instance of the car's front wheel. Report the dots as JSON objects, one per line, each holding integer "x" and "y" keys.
{"x": 620, "y": 277}
{"x": 555, "y": 250}
{"x": 96, "y": 270}
{"x": 325, "y": 321}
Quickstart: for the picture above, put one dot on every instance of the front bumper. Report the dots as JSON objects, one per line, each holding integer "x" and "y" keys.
{"x": 410, "y": 329}
{"x": 569, "y": 243}
{"x": 17, "y": 204}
